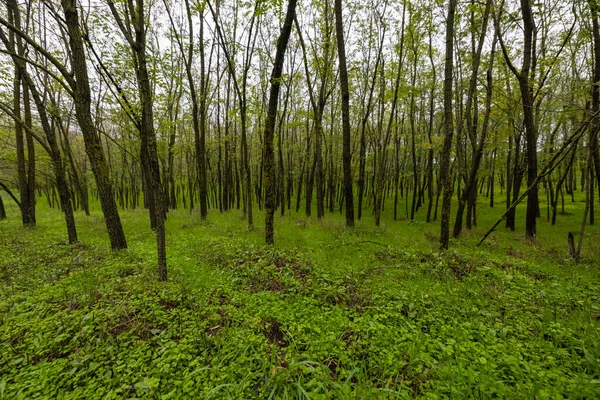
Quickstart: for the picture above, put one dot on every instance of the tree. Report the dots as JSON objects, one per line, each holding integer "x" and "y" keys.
{"x": 77, "y": 85}
{"x": 133, "y": 28}
{"x": 367, "y": 108}
{"x": 198, "y": 107}
{"x": 346, "y": 153}
{"x": 25, "y": 163}
{"x": 318, "y": 103}
{"x": 269, "y": 177}
{"x": 384, "y": 141}
{"x": 469, "y": 192}
{"x": 445, "y": 173}
{"x": 2, "y": 210}
{"x": 51, "y": 145}
{"x": 241, "y": 92}
{"x": 93, "y": 144}
{"x": 595, "y": 126}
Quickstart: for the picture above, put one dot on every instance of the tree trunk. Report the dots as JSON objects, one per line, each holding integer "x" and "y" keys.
{"x": 148, "y": 150}
{"x": 93, "y": 145}
{"x": 526, "y": 89}
{"x": 2, "y": 210}
{"x": 52, "y": 145}
{"x": 446, "y": 175}
{"x": 347, "y": 155}
{"x": 269, "y": 176}
{"x": 595, "y": 91}
{"x": 25, "y": 165}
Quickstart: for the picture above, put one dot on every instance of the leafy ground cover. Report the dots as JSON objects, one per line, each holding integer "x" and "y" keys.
{"x": 328, "y": 313}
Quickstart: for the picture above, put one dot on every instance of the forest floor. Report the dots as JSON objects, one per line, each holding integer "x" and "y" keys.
{"x": 328, "y": 313}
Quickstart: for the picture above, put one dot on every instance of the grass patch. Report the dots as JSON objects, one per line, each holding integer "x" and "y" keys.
{"x": 329, "y": 313}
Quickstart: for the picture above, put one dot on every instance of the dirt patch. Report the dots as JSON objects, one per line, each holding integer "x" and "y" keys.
{"x": 168, "y": 304}
{"x": 267, "y": 284}
{"x": 459, "y": 265}
{"x": 348, "y": 337}
{"x": 299, "y": 271}
{"x": 333, "y": 364}
{"x": 274, "y": 334}
{"x": 125, "y": 323}
{"x": 128, "y": 270}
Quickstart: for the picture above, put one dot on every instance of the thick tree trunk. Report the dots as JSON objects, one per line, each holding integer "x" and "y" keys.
{"x": 93, "y": 145}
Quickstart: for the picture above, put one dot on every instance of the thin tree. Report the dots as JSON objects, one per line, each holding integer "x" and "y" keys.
{"x": 76, "y": 83}
{"x": 445, "y": 173}
{"x": 25, "y": 163}
{"x": 198, "y": 106}
{"x": 595, "y": 126}
{"x": 133, "y": 28}
{"x": 269, "y": 175}
{"x": 525, "y": 87}
{"x": 346, "y": 151}
{"x": 469, "y": 190}
{"x": 51, "y": 143}
{"x": 383, "y": 144}
{"x": 241, "y": 92}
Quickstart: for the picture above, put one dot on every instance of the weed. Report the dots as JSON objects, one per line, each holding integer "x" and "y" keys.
{"x": 329, "y": 313}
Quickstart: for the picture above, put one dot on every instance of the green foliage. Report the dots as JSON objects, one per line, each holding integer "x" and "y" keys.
{"x": 329, "y": 313}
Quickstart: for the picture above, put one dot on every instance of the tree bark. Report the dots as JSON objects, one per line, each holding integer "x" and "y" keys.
{"x": 54, "y": 150}
{"x": 446, "y": 175}
{"x": 526, "y": 89}
{"x": 93, "y": 145}
{"x": 269, "y": 175}
{"x": 346, "y": 153}
{"x": 2, "y": 210}
{"x": 594, "y": 7}
{"x": 148, "y": 152}
{"x": 25, "y": 165}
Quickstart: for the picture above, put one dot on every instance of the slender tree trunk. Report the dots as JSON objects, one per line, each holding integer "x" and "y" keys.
{"x": 52, "y": 145}
{"x": 78, "y": 181}
{"x": 469, "y": 195}
{"x": 148, "y": 152}
{"x": 446, "y": 175}
{"x": 269, "y": 176}
{"x": 201, "y": 146}
{"x": 347, "y": 155}
{"x": 382, "y": 158}
{"x": 25, "y": 165}
{"x": 2, "y": 210}
{"x": 526, "y": 89}
{"x": 595, "y": 127}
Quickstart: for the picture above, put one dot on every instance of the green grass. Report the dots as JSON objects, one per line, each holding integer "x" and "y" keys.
{"x": 328, "y": 313}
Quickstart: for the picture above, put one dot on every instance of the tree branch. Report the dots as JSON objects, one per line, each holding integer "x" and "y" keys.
{"x": 41, "y": 67}
{"x": 7, "y": 190}
{"x": 60, "y": 66}
{"x": 548, "y": 168}
{"x": 29, "y": 130}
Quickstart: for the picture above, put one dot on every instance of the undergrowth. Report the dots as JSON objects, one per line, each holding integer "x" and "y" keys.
{"x": 329, "y": 313}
